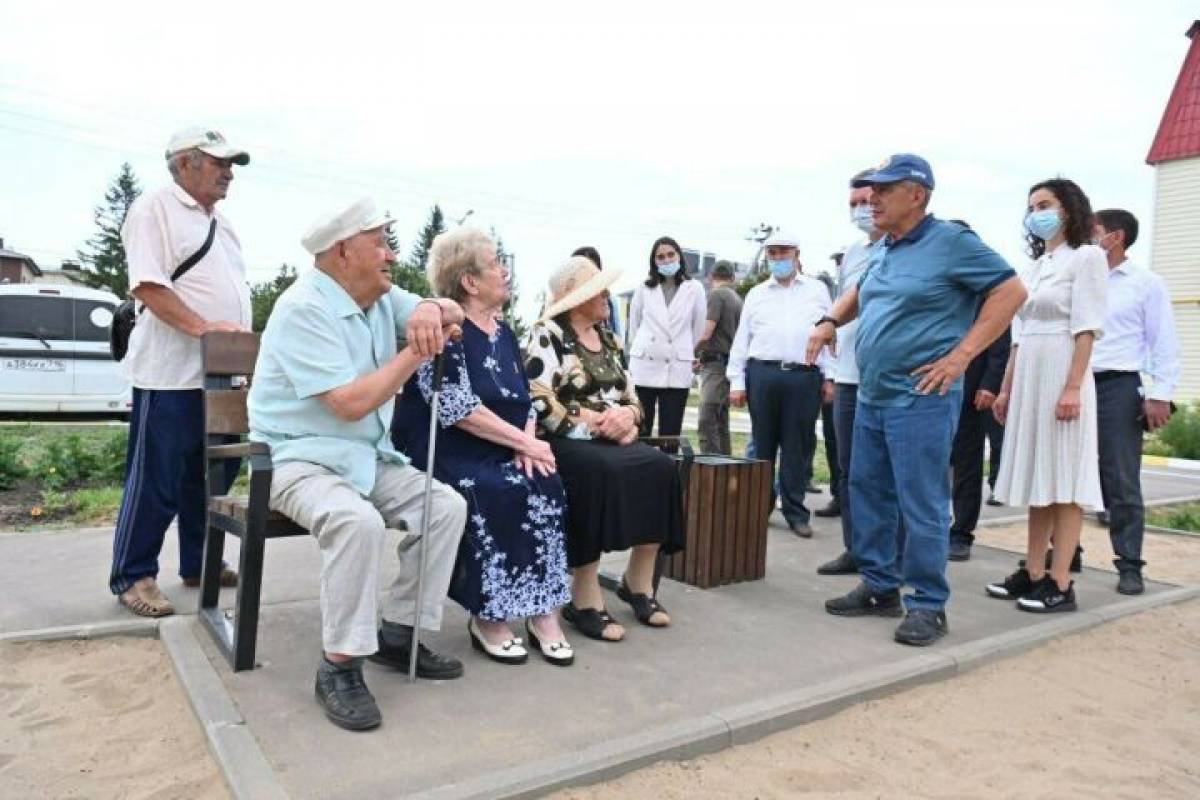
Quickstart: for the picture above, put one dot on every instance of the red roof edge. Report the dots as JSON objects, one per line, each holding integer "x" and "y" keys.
{"x": 1178, "y": 133}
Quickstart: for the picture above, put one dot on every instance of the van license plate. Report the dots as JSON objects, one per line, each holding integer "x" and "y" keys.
{"x": 35, "y": 364}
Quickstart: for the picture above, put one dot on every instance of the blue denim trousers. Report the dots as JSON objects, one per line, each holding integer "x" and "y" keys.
{"x": 900, "y": 479}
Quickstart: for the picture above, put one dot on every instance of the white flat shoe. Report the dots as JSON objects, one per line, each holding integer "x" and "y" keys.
{"x": 510, "y": 651}
{"x": 557, "y": 653}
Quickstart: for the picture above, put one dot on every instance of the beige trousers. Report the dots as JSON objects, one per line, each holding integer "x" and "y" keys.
{"x": 353, "y": 531}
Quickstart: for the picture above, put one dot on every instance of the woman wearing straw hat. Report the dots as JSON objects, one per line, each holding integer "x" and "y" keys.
{"x": 621, "y": 494}
{"x": 511, "y": 560}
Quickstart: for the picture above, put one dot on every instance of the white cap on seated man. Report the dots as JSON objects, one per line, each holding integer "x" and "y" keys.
{"x": 324, "y": 387}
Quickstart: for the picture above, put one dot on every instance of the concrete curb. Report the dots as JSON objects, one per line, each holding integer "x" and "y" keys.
{"x": 94, "y": 630}
{"x": 1173, "y": 463}
{"x": 246, "y": 770}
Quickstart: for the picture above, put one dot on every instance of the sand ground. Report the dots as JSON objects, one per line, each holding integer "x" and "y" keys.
{"x": 1114, "y": 713}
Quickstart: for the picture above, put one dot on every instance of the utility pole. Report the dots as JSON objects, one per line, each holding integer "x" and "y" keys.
{"x": 759, "y": 235}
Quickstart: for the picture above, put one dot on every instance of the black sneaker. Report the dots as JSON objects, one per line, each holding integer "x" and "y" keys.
{"x": 992, "y": 501}
{"x": 1130, "y": 581}
{"x": 1016, "y": 585}
{"x": 960, "y": 547}
{"x": 842, "y": 565}
{"x": 343, "y": 694}
{"x": 1046, "y": 597}
{"x": 862, "y": 602}
{"x": 921, "y": 627}
{"x": 395, "y": 645}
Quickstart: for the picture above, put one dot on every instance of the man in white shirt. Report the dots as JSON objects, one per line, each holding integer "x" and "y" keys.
{"x": 767, "y": 369}
{"x": 165, "y": 458}
{"x": 1139, "y": 336}
{"x": 845, "y": 368}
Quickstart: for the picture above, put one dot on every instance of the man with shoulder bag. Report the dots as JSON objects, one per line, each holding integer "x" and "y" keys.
{"x": 187, "y": 278}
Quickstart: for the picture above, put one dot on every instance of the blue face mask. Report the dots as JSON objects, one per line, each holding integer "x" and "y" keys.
{"x": 783, "y": 268}
{"x": 1043, "y": 224}
{"x": 668, "y": 268}
{"x": 862, "y": 218}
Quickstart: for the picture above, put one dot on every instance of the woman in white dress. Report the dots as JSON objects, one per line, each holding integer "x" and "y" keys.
{"x": 666, "y": 319}
{"x": 1048, "y": 398}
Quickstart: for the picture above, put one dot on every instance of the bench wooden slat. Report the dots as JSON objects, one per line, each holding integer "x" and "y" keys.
{"x": 225, "y": 411}
{"x": 229, "y": 353}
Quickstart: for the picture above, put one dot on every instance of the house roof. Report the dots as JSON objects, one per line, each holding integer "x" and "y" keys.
{"x": 13, "y": 254}
{"x": 1179, "y": 131}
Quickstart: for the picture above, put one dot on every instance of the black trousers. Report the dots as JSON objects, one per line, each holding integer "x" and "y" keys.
{"x": 1119, "y": 425}
{"x": 829, "y": 431}
{"x": 784, "y": 405}
{"x": 670, "y": 405}
{"x": 966, "y": 465}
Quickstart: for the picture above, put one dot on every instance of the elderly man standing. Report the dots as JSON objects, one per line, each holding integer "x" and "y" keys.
{"x": 917, "y": 332}
{"x": 1139, "y": 334}
{"x": 325, "y": 384}
{"x": 767, "y": 369}
{"x": 712, "y": 353}
{"x": 165, "y": 230}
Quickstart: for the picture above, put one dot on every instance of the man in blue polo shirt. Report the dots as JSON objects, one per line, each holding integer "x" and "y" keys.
{"x": 917, "y": 332}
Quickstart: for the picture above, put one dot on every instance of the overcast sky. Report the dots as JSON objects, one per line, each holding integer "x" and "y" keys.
{"x": 562, "y": 126}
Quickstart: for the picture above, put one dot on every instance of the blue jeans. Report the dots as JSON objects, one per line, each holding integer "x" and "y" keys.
{"x": 899, "y": 474}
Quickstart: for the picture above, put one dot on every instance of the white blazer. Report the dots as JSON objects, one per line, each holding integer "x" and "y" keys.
{"x": 663, "y": 338}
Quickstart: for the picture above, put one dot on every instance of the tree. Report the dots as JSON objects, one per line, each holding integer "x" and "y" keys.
{"x": 436, "y": 224}
{"x": 393, "y": 241}
{"x": 411, "y": 279}
{"x": 263, "y": 295}
{"x": 105, "y": 266}
{"x": 510, "y": 305}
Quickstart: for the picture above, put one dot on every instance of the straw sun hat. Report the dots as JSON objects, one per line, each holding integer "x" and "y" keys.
{"x": 574, "y": 283}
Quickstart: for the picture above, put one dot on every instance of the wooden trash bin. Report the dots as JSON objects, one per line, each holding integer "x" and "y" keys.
{"x": 726, "y": 506}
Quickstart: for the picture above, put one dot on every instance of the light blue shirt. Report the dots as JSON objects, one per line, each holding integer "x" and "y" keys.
{"x": 854, "y": 261}
{"x": 318, "y": 339}
{"x": 917, "y": 298}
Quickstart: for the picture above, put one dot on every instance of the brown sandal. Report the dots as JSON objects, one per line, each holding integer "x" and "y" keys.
{"x": 229, "y": 579}
{"x": 146, "y": 600}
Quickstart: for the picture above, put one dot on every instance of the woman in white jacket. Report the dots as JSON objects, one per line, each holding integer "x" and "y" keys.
{"x": 666, "y": 318}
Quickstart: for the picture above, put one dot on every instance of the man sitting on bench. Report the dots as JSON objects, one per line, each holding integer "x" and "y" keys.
{"x": 324, "y": 385}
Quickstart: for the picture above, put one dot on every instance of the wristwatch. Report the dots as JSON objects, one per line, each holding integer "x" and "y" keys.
{"x": 828, "y": 319}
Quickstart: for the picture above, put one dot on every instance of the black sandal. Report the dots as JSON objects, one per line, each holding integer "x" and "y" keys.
{"x": 589, "y": 621}
{"x": 644, "y": 606}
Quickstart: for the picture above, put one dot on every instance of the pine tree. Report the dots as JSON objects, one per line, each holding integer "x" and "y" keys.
{"x": 420, "y": 252}
{"x": 104, "y": 261}
{"x": 263, "y": 295}
{"x": 510, "y": 305}
{"x": 393, "y": 241}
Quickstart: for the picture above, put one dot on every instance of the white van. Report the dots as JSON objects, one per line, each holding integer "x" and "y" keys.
{"x": 54, "y": 355}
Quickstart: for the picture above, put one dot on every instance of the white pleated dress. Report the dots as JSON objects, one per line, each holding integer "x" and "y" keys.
{"x": 1045, "y": 461}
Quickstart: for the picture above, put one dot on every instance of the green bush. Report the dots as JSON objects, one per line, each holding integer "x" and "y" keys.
{"x": 12, "y": 469}
{"x": 69, "y": 462}
{"x": 1180, "y": 518}
{"x": 112, "y": 458}
{"x": 1182, "y": 433}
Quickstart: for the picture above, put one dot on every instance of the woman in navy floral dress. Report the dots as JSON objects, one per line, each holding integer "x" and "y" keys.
{"x": 512, "y": 559}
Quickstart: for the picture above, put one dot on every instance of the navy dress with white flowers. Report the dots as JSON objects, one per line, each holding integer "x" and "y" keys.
{"x": 512, "y": 559}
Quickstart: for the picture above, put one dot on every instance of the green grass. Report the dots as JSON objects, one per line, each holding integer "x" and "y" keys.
{"x": 91, "y": 506}
{"x": 1181, "y": 518}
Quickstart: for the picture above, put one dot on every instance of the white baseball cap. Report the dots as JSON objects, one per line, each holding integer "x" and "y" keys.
{"x": 337, "y": 226}
{"x": 206, "y": 140}
{"x": 781, "y": 239}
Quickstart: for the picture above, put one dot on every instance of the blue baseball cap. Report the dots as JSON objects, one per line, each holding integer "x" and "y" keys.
{"x": 900, "y": 167}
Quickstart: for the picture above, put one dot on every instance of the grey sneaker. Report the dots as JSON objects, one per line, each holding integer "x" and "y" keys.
{"x": 921, "y": 627}
{"x": 862, "y": 602}
{"x": 842, "y": 565}
{"x": 801, "y": 529}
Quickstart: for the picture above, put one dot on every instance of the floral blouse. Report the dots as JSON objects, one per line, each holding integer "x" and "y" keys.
{"x": 565, "y": 377}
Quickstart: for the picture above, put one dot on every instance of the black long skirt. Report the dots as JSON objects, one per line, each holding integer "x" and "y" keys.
{"x": 617, "y": 497}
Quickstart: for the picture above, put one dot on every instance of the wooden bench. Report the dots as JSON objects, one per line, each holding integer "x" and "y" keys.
{"x": 229, "y": 356}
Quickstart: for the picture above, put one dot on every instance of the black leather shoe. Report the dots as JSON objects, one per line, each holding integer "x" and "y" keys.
{"x": 343, "y": 694}
{"x": 1130, "y": 581}
{"x": 812, "y": 488}
{"x": 842, "y": 565}
{"x": 992, "y": 501}
{"x": 862, "y": 602}
{"x": 960, "y": 547}
{"x": 922, "y": 627}
{"x": 395, "y": 645}
{"x": 1102, "y": 518}
{"x": 833, "y": 509}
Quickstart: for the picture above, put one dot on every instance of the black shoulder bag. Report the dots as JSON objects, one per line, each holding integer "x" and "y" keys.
{"x": 125, "y": 317}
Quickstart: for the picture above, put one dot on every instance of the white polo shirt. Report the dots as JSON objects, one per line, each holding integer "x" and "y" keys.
{"x": 162, "y": 229}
